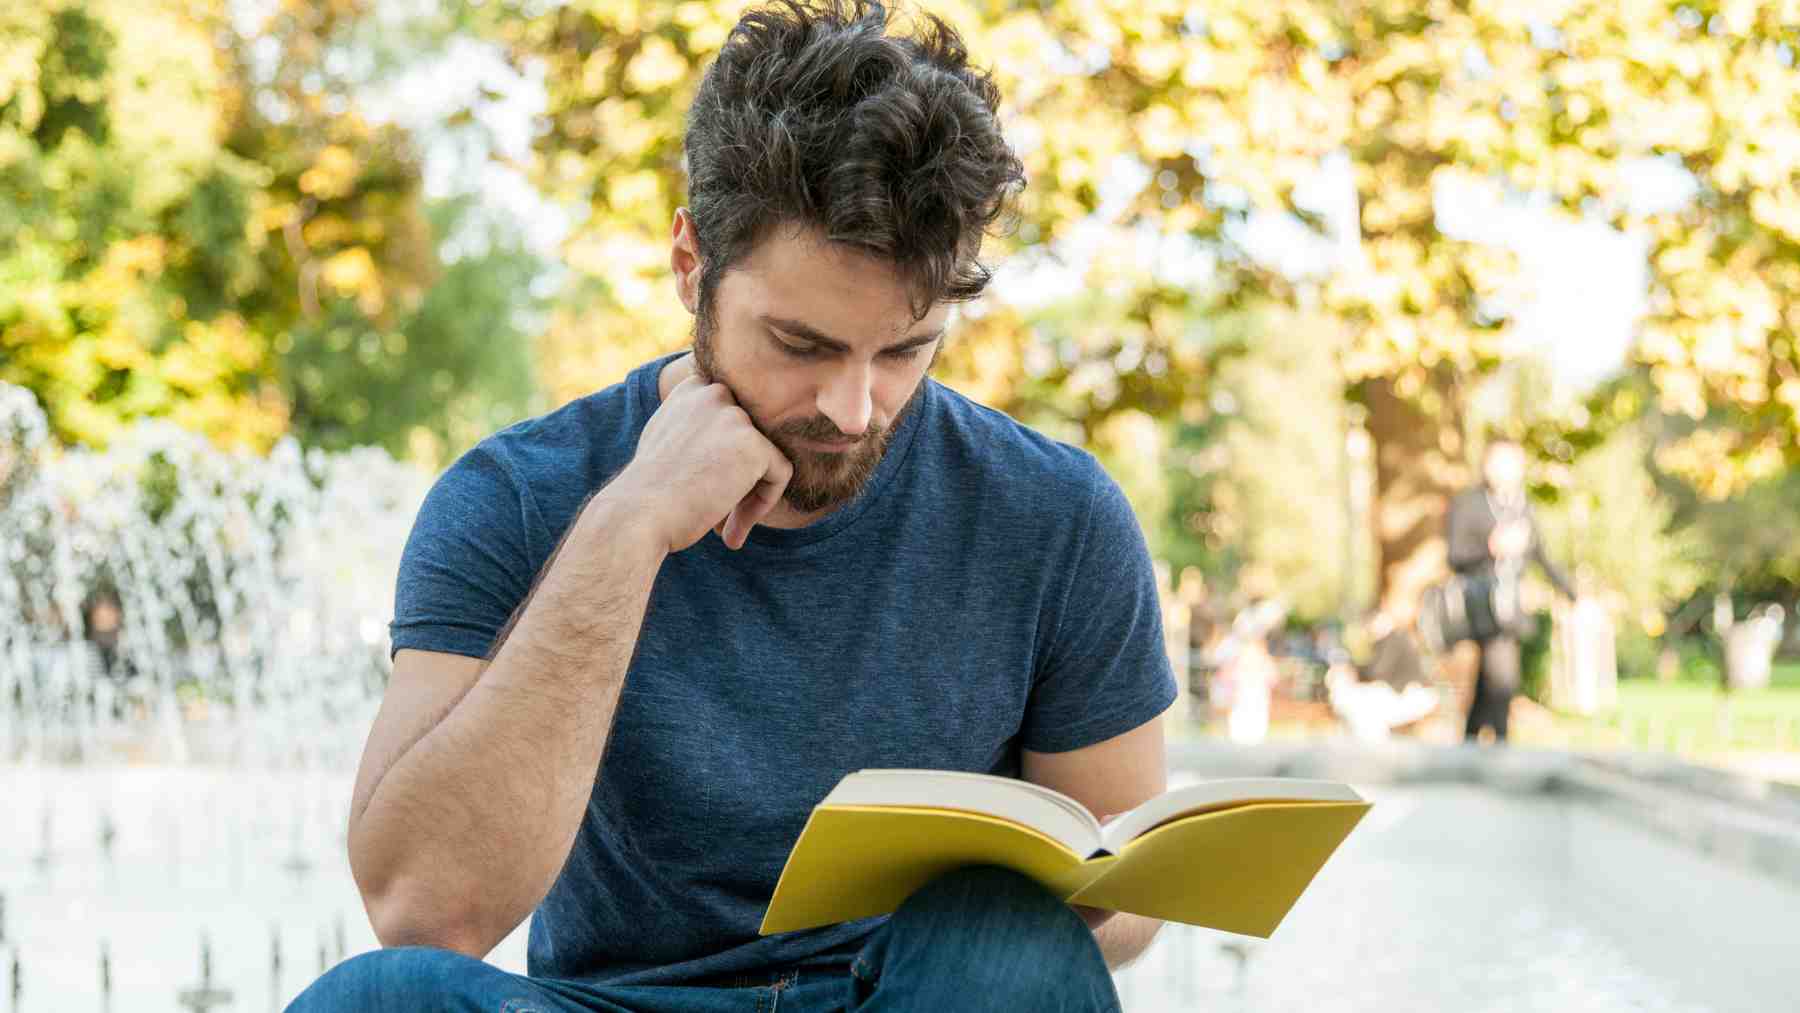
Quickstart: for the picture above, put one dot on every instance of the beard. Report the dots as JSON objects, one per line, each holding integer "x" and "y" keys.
{"x": 821, "y": 478}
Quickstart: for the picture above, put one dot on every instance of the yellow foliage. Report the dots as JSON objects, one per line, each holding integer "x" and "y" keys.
{"x": 985, "y": 360}
{"x": 326, "y": 230}
{"x": 1264, "y": 92}
{"x": 633, "y": 190}
{"x": 657, "y": 65}
{"x": 582, "y": 351}
{"x": 135, "y": 258}
{"x": 350, "y": 271}
{"x": 153, "y": 87}
{"x": 23, "y": 31}
{"x": 1160, "y": 132}
{"x": 333, "y": 173}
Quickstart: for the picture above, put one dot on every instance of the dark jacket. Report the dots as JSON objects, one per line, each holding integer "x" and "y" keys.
{"x": 1472, "y": 520}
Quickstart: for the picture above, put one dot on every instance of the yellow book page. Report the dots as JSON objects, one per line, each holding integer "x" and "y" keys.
{"x": 1239, "y": 870}
{"x": 858, "y": 861}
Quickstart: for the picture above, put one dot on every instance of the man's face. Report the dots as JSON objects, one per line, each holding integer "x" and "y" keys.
{"x": 818, "y": 343}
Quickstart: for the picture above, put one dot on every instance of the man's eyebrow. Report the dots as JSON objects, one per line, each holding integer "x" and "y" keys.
{"x": 806, "y": 332}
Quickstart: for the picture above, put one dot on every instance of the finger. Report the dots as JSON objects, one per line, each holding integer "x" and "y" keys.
{"x": 779, "y": 470}
{"x": 749, "y": 512}
{"x": 734, "y": 530}
{"x": 760, "y": 500}
{"x": 768, "y": 492}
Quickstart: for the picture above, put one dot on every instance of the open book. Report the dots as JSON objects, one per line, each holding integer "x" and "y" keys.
{"x": 1230, "y": 854}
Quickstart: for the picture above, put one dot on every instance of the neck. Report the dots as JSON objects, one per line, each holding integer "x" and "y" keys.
{"x": 784, "y": 516}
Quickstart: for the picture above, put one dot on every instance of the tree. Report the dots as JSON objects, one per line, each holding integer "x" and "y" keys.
{"x": 439, "y": 376}
{"x": 378, "y": 340}
{"x": 1240, "y": 111}
{"x": 620, "y": 76}
{"x": 1610, "y": 523}
{"x": 203, "y": 226}
{"x": 124, "y": 218}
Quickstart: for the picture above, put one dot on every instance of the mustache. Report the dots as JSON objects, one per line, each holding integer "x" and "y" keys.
{"x": 821, "y": 428}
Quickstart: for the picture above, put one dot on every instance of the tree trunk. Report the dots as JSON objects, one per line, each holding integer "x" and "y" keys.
{"x": 1419, "y": 465}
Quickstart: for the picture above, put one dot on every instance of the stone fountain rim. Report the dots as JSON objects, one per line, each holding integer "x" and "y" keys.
{"x": 1743, "y": 821}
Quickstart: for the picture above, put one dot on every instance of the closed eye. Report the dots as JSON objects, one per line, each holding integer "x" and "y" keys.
{"x": 814, "y": 351}
{"x": 797, "y": 351}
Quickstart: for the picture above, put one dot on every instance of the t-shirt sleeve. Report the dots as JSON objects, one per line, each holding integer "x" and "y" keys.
{"x": 1105, "y": 670}
{"x": 466, "y": 564}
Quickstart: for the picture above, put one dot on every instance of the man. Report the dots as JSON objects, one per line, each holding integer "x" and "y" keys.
{"x": 1491, "y": 536}
{"x": 758, "y": 567}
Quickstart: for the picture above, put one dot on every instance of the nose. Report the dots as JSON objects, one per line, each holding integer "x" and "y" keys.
{"x": 847, "y": 400}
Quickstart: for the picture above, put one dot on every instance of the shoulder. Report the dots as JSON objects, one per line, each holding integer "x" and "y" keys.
{"x": 537, "y": 471}
{"x": 581, "y": 443}
{"x": 558, "y": 445}
{"x": 1020, "y": 494}
{"x": 994, "y": 455}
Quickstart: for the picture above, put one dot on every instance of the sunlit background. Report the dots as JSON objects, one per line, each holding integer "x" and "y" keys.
{"x": 268, "y": 266}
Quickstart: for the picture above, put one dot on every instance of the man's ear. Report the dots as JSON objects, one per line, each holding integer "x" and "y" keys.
{"x": 684, "y": 259}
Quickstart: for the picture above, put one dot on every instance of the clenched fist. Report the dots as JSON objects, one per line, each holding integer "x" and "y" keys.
{"x": 701, "y": 465}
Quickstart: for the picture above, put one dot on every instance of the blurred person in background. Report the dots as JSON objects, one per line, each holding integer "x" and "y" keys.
{"x": 1392, "y": 689}
{"x": 1492, "y": 536}
{"x": 1245, "y": 683}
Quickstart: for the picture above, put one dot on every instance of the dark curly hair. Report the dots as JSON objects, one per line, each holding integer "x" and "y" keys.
{"x": 814, "y": 116}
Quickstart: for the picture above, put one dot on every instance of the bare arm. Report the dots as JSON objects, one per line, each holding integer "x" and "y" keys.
{"x": 476, "y": 778}
{"x": 1557, "y": 578}
{"x": 1123, "y": 938}
{"x": 1109, "y": 778}
{"x": 494, "y": 791}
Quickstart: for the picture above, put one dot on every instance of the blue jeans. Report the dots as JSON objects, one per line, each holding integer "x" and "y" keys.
{"x": 980, "y": 938}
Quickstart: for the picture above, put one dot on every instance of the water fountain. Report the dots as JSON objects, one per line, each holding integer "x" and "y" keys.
{"x": 275, "y": 959}
{"x": 201, "y": 998}
{"x": 192, "y": 646}
{"x": 105, "y": 974}
{"x": 165, "y": 601}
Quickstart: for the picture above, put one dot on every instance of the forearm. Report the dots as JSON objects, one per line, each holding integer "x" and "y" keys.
{"x": 465, "y": 832}
{"x": 1122, "y": 937}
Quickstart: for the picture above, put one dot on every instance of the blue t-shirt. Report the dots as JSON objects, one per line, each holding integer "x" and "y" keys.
{"x": 988, "y": 590}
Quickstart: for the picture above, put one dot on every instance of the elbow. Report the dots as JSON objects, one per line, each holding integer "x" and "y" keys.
{"x": 1142, "y": 944}
{"x": 402, "y": 917}
{"x": 405, "y": 911}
